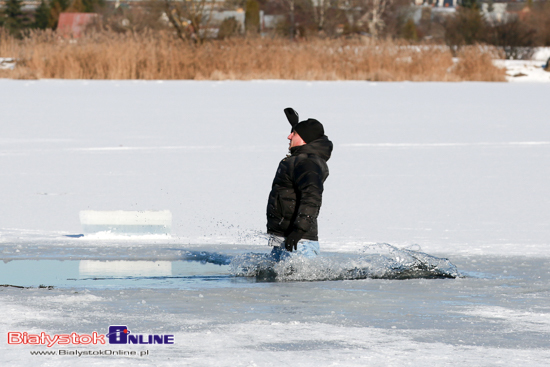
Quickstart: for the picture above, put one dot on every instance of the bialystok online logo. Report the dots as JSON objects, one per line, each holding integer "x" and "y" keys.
{"x": 118, "y": 334}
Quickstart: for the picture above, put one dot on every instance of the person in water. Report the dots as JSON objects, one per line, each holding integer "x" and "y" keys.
{"x": 296, "y": 194}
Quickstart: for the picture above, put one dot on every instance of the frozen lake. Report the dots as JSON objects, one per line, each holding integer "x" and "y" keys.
{"x": 498, "y": 308}
{"x": 461, "y": 169}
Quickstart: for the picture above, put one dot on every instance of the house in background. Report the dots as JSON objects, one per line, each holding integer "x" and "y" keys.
{"x": 74, "y": 24}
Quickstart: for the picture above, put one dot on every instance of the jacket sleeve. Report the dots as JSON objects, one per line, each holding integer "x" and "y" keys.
{"x": 308, "y": 181}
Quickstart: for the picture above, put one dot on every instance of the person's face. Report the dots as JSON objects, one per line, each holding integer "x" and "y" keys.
{"x": 295, "y": 140}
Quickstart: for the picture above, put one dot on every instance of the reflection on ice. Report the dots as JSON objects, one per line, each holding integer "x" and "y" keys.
{"x": 111, "y": 274}
{"x": 380, "y": 261}
{"x": 94, "y": 268}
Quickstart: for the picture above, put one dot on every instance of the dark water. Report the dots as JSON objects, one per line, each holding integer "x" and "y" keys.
{"x": 215, "y": 269}
{"x": 110, "y": 274}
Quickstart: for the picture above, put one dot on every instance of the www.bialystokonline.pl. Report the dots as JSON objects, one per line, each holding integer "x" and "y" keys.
{"x": 82, "y": 353}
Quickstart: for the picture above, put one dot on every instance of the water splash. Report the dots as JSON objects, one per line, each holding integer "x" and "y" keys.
{"x": 379, "y": 261}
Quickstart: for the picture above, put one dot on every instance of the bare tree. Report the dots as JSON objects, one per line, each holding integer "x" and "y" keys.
{"x": 187, "y": 17}
{"x": 374, "y": 11}
{"x": 320, "y": 8}
{"x": 292, "y": 9}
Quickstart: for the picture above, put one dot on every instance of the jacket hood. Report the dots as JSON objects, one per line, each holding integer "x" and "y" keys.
{"x": 321, "y": 147}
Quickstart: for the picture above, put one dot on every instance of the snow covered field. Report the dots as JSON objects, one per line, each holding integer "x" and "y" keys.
{"x": 528, "y": 70}
{"x": 461, "y": 169}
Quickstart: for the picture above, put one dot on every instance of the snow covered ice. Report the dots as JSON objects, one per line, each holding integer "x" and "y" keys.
{"x": 456, "y": 171}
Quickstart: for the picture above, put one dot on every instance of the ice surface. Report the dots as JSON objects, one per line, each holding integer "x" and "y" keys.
{"x": 499, "y": 310}
{"x": 454, "y": 167}
{"x": 459, "y": 169}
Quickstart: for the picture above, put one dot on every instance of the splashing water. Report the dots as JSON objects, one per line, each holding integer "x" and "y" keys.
{"x": 379, "y": 261}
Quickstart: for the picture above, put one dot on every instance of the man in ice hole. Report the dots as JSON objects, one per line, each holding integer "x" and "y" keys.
{"x": 297, "y": 190}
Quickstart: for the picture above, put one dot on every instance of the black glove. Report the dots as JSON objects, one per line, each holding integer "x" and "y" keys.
{"x": 291, "y": 242}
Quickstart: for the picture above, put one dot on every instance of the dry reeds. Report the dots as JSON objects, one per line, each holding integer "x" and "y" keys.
{"x": 161, "y": 56}
{"x": 476, "y": 65}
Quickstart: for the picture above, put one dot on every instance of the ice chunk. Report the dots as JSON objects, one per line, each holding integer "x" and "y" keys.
{"x": 126, "y": 222}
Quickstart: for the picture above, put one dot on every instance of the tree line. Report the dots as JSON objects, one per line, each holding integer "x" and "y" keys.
{"x": 474, "y": 22}
{"x": 14, "y": 19}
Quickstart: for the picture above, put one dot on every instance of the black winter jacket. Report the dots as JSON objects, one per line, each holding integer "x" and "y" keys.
{"x": 296, "y": 193}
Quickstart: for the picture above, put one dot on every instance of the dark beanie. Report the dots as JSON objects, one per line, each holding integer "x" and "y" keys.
{"x": 309, "y": 130}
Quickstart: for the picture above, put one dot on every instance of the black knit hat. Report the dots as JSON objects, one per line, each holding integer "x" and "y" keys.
{"x": 309, "y": 130}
